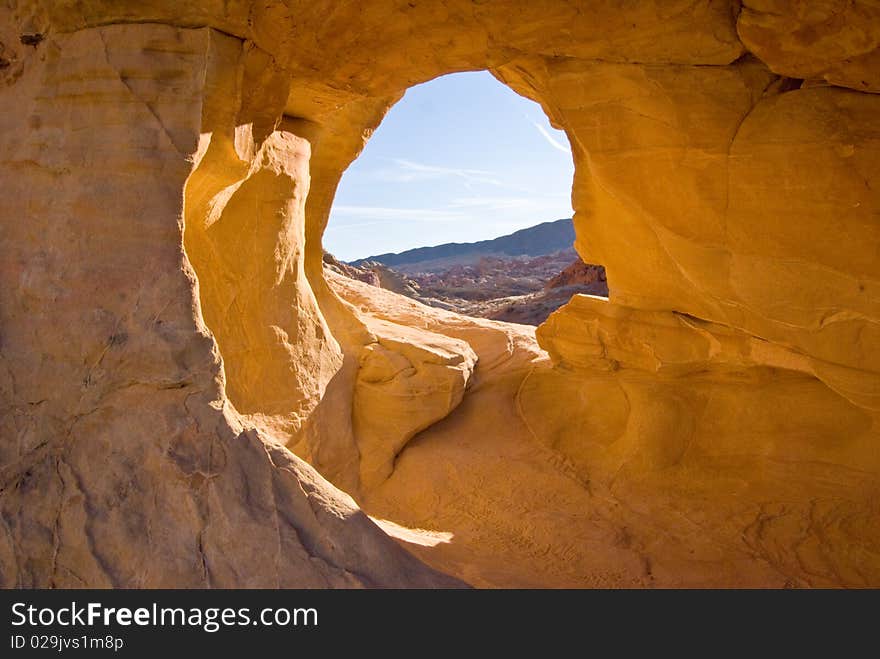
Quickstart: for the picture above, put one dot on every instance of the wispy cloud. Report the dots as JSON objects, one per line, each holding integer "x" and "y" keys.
{"x": 406, "y": 171}
{"x": 495, "y": 203}
{"x": 440, "y": 171}
{"x": 355, "y": 225}
{"x": 552, "y": 141}
{"x": 375, "y": 215}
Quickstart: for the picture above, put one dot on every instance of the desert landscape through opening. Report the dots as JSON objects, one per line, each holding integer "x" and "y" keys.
{"x": 186, "y": 383}
{"x": 454, "y": 203}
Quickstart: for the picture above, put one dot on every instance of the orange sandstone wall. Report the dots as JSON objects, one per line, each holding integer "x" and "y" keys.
{"x": 166, "y": 326}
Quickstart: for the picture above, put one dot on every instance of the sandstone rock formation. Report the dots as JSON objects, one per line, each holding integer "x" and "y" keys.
{"x": 579, "y": 273}
{"x": 368, "y": 276}
{"x": 172, "y": 353}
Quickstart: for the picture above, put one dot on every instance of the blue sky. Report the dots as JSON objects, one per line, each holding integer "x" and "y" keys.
{"x": 458, "y": 159}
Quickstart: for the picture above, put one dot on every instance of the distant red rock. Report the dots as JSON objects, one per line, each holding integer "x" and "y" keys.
{"x": 581, "y": 274}
{"x": 514, "y": 289}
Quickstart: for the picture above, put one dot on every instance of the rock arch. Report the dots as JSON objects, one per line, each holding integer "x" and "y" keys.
{"x": 170, "y": 171}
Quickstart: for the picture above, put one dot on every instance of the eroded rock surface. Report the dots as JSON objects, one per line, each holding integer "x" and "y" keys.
{"x": 167, "y": 334}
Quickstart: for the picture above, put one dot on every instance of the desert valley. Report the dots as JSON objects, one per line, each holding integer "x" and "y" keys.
{"x": 523, "y": 281}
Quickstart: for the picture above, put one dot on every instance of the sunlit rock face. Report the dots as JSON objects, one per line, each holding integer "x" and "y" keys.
{"x": 179, "y": 378}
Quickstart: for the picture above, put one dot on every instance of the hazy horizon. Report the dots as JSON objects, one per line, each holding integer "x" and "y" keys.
{"x": 460, "y": 158}
{"x": 454, "y": 242}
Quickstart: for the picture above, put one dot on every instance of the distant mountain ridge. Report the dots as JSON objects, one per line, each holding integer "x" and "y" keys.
{"x": 541, "y": 239}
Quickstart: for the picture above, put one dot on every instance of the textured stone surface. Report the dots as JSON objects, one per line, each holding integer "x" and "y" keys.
{"x": 406, "y": 381}
{"x": 831, "y": 40}
{"x": 123, "y": 464}
{"x": 166, "y": 329}
{"x": 681, "y": 444}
